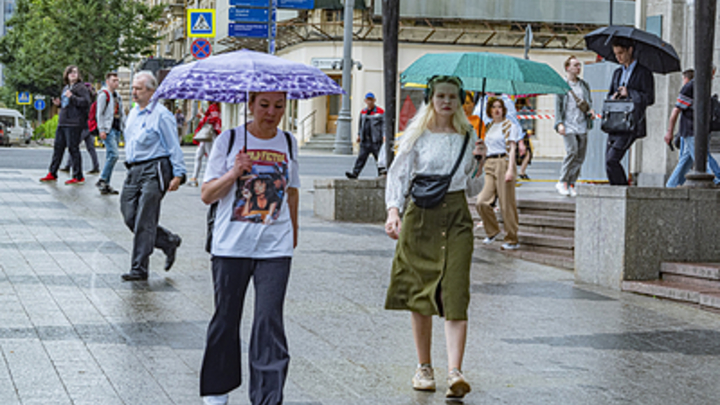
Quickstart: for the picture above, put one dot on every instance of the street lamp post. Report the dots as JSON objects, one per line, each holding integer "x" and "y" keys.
{"x": 704, "y": 42}
{"x": 343, "y": 143}
{"x": 391, "y": 17}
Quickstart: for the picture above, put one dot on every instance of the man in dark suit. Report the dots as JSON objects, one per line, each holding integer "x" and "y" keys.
{"x": 635, "y": 82}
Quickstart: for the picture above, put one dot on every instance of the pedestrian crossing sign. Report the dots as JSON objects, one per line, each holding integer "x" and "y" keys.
{"x": 201, "y": 23}
{"x": 23, "y": 98}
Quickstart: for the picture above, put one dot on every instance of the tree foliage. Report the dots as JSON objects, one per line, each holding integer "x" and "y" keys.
{"x": 44, "y": 36}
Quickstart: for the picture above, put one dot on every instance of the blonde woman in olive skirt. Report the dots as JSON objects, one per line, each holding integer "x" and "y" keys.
{"x": 431, "y": 268}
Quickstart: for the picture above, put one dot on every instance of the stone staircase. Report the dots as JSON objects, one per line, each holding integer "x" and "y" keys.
{"x": 546, "y": 232}
{"x": 692, "y": 283}
{"x": 320, "y": 143}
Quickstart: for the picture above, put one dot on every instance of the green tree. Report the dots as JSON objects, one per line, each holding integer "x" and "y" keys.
{"x": 98, "y": 36}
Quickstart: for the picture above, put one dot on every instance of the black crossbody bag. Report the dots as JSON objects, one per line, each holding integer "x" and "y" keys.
{"x": 212, "y": 211}
{"x": 428, "y": 190}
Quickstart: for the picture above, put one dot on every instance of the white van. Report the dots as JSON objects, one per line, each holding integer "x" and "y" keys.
{"x": 14, "y": 129}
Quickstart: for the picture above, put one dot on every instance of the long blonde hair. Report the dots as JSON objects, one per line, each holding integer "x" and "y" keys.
{"x": 426, "y": 115}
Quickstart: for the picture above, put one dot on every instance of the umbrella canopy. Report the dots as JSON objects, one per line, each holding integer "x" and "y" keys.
{"x": 227, "y": 78}
{"x": 483, "y": 71}
{"x": 649, "y": 50}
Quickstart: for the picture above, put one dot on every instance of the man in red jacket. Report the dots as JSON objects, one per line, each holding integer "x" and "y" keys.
{"x": 370, "y": 135}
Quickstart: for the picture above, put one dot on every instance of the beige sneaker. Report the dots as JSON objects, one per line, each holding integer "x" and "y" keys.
{"x": 457, "y": 385}
{"x": 424, "y": 379}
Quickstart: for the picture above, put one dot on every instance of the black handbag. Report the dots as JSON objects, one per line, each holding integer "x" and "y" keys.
{"x": 428, "y": 190}
{"x": 618, "y": 117}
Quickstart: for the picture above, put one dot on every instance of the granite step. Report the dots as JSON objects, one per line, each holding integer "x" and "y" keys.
{"x": 677, "y": 291}
{"x": 709, "y": 271}
{"x": 557, "y": 258}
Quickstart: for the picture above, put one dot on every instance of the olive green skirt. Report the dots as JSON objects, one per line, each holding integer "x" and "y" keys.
{"x": 431, "y": 268}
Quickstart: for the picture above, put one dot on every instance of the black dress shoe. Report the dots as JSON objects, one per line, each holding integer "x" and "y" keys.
{"x": 170, "y": 253}
{"x": 134, "y": 276}
{"x": 351, "y": 175}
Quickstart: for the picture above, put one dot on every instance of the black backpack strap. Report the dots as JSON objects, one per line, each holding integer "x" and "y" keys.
{"x": 289, "y": 143}
{"x": 462, "y": 154}
{"x": 232, "y": 141}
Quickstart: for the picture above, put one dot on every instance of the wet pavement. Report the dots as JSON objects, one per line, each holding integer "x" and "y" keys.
{"x": 71, "y": 332}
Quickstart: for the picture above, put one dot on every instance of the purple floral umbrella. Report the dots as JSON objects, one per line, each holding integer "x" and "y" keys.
{"x": 229, "y": 77}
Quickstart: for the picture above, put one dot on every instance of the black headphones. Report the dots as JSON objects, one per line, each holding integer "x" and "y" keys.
{"x": 431, "y": 85}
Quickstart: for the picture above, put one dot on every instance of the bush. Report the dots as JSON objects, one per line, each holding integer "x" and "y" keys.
{"x": 187, "y": 139}
{"x": 47, "y": 130}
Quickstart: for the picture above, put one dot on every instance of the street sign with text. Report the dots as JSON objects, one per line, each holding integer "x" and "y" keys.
{"x": 249, "y": 15}
{"x": 250, "y": 3}
{"x": 248, "y": 30}
{"x": 201, "y": 23}
{"x": 296, "y": 4}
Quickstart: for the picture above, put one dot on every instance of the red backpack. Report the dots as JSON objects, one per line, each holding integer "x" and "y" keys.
{"x": 92, "y": 115}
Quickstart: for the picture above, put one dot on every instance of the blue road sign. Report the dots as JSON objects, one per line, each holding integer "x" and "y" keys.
{"x": 248, "y": 30}
{"x": 24, "y": 97}
{"x": 201, "y": 48}
{"x": 39, "y": 105}
{"x": 250, "y": 3}
{"x": 296, "y": 4}
{"x": 250, "y": 15}
{"x": 201, "y": 23}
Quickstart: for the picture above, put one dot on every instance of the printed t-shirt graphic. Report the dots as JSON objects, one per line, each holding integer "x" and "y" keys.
{"x": 260, "y": 194}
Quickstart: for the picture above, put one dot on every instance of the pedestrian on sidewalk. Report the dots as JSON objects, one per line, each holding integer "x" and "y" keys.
{"x": 573, "y": 120}
{"x": 212, "y": 119}
{"x": 155, "y": 165}
{"x": 525, "y": 148}
{"x": 247, "y": 245}
{"x": 110, "y": 117}
{"x": 89, "y": 140}
{"x": 180, "y": 121}
{"x": 630, "y": 81}
{"x": 431, "y": 269}
{"x": 74, "y": 103}
{"x": 370, "y": 136}
{"x": 500, "y": 176}
{"x": 685, "y": 111}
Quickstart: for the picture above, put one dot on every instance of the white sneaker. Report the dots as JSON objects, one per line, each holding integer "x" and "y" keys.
{"x": 458, "y": 386}
{"x": 510, "y": 246}
{"x": 490, "y": 239}
{"x": 562, "y": 189}
{"x": 424, "y": 378}
{"x": 572, "y": 191}
{"x": 216, "y": 399}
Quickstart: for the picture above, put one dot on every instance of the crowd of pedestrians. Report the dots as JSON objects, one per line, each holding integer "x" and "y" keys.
{"x": 458, "y": 145}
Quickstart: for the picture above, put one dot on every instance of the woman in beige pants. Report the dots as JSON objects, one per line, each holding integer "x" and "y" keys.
{"x": 501, "y": 138}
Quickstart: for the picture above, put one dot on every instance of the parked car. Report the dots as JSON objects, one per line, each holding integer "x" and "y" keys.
{"x": 15, "y": 129}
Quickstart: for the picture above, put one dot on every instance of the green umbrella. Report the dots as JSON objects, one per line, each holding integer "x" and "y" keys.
{"x": 488, "y": 72}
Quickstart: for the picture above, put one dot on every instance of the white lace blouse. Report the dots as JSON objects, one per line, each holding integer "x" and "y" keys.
{"x": 433, "y": 153}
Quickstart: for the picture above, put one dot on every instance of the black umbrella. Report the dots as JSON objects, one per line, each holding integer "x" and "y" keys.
{"x": 649, "y": 50}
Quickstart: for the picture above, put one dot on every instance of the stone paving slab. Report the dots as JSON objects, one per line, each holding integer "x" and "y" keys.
{"x": 72, "y": 333}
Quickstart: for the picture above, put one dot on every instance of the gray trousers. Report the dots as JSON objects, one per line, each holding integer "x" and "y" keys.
{"x": 268, "y": 351}
{"x": 575, "y": 147}
{"x": 144, "y": 189}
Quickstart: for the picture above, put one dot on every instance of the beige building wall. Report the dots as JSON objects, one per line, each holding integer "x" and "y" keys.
{"x": 370, "y": 78}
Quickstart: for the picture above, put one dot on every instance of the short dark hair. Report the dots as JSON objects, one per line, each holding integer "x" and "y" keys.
{"x": 689, "y": 74}
{"x": 111, "y": 74}
{"x": 567, "y": 61}
{"x": 493, "y": 100}
{"x": 623, "y": 43}
{"x": 67, "y": 73}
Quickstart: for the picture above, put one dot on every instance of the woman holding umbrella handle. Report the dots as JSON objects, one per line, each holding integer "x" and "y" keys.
{"x": 431, "y": 270}
{"x": 257, "y": 245}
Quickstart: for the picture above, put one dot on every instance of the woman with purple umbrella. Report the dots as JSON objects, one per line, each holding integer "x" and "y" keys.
{"x": 255, "y": 243}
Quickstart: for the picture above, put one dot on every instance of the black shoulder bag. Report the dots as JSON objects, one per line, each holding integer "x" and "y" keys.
{"x": 428, "y": 190}
{"x": 618, "y": 117}
{"x": 213, "y": 207}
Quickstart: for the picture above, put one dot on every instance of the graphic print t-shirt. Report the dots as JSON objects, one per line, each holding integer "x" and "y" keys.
{"x": 253, "y": 219}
